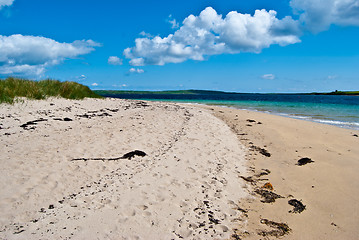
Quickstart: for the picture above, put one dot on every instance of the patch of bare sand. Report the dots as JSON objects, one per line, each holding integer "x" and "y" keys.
{"x": 187, "y": 185}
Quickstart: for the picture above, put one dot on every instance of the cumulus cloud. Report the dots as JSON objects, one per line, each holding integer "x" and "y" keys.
{"x": 136, "y": 70}
{"x": 268, "y": 76}
{"x": 318, "y": 15}
{"x": 114, "y": 60}
{"x": 4, "y": 3}
{"x": 31, "y": 55}
{"x": 210, "y": 34}
{"x": 94, "y": 84}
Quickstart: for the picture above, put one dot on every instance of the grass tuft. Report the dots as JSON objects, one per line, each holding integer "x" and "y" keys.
{"x": 12, "y": 88}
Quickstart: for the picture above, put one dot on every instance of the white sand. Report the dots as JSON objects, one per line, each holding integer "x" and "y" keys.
{"x": 186, "y": 187}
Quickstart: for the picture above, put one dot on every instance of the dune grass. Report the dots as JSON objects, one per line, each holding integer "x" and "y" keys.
{"x": 12, "y": 88}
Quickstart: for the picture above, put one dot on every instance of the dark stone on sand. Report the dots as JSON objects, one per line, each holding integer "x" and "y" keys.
{"x": 304, "y": 161}
{"x": 355, "y": 135}
{"x": 51, "y": 206}
{"x": 298, "y": 206}
{"x": 268, "y": 196}
{"x": 67, "y": 119}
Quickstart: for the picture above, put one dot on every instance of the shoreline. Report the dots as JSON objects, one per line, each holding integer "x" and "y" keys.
{"x": 331, "y": 122}
{"x": 199, "y": 176}
{"x": 328, "y": 187}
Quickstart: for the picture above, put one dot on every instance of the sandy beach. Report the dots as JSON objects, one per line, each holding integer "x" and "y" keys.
{"x": 70, "y": 170}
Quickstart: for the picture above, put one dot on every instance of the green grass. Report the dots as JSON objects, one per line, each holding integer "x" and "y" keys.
{"x": 12, "y": 88}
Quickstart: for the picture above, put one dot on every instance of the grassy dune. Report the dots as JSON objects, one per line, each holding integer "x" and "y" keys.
{"x": 11, "y": 88}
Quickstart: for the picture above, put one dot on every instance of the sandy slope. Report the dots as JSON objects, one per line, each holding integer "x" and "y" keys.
{"x": 187, "y": 186}
{"x": 328, "y": 187}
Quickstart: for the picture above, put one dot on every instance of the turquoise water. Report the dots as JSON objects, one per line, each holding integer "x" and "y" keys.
{"x": 341, "y": 111}
{"x": 346, "y": 116}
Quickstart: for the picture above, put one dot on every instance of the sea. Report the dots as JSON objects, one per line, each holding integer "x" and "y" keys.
{"x": 337, "y": 110}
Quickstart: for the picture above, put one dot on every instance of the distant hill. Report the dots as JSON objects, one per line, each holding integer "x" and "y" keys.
{"x": 336, "y": 92}
{"x": 109, "y": 93}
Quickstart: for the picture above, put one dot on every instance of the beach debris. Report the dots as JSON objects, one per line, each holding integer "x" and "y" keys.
{"x": 251, "y": 120}
{"x": 34, "y": 122}
{"x": 248, "y": 179}
{"x": 333, "y": 224}
{"x": 91, "y": 114}
{"x": 268, "y": 186}
{"x": 261, "y": 150}
{"x": 280, "y": 229}
{"x": 263, "y": 172}
{"x": 355, "y": 135}
{"x": 304, "y": 161}
{"x": 259, "y": 123}
{"x": 128, "y": 156}
{"x": 132, "y": 154}
{"x": 298, "y": 206}
{"x": 268, "y": 196}
{"x": 66, "y": 119}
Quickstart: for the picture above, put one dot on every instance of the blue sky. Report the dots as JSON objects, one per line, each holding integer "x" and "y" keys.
{"x": 165, "y": 45}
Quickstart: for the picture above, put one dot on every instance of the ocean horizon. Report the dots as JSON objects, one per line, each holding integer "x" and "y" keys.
{"x": 337, "y": 110}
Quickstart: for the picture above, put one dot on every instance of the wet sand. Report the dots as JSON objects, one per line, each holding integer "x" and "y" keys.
{"x": 328, "y": 186}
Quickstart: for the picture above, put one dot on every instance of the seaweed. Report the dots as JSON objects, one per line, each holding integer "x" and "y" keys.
{"x": 128, "y": 156}
{"x": 298, "y": 206}
{"x": 268, "y": 196}
{"x": 280, "y": 229}
{"x": 261, "y": 151}
{"x": 34, "y": 122}
{"x": 304, "y": 161}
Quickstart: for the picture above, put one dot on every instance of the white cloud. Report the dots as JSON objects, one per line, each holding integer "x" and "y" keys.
{"x": 114, "y": 60}
{"x": 144, "y": 34}
{"x": 31, "y": 55}
{"x": 318, "y": 15}
{"x": 268, "y": 76}
{"x": 81, "y": 77}
{"x": 210, "y": 34}
{"x": 94, "y": 84}
{"x": 136, "y": 70}
{"x": 173, "y": 22}
{"x": 6, "y": 3}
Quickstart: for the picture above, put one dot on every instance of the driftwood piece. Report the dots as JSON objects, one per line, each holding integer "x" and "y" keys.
{"x": 128, "y": 156}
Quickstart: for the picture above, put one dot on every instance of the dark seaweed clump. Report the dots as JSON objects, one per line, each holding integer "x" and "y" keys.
{"x": 280, "y": 229}
{"x": 298, "y": 206}
{"x": 268, "y": 196}
{"x": 304, "y": 161}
